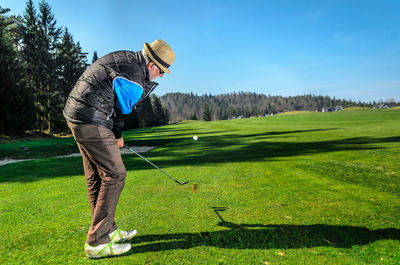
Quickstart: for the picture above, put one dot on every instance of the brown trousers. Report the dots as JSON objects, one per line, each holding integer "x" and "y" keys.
{"x": 105, "y": 177}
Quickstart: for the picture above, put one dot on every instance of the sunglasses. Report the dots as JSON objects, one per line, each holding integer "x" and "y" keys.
{"x": 161, "y": 71}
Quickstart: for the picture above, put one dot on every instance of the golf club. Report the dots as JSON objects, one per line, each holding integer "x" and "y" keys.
{"x": 133, "y": 151}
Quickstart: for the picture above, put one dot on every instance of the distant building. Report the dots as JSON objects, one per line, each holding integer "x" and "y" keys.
{"x": 338, "y": 108}
{"x": 383, "y": 106}
{"x": 331, "y": 109}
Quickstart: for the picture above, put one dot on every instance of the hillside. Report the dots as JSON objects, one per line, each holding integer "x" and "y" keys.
{"x": 184, "y": 106}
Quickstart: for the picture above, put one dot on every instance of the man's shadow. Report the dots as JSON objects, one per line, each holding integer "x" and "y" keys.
{"x": 260, "y": 236}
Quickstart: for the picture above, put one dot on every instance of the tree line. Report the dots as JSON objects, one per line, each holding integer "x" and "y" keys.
{"x": 39, "y": 64}
{"x": 185, "y": 106}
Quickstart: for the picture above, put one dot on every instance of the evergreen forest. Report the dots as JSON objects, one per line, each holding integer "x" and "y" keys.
{"x": 185, "y": 106}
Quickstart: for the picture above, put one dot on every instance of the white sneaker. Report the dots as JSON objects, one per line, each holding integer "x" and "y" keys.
{"x": 121, "y": 236}
{"x": 106, "y": 250}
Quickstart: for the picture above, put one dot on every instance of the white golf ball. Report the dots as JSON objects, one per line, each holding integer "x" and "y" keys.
{"x": 195, "y": 138}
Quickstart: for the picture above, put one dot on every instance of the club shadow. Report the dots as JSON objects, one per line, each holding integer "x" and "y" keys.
{"x": 273, "y": 236}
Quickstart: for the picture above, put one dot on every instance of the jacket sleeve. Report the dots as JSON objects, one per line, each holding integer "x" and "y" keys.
{"x": 119, "y": 120}
{"x": 128, "y": 94}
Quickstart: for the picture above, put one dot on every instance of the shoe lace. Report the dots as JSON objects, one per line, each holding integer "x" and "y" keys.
{"x": 117, "y": 232}
{"x": 109, "y": 245}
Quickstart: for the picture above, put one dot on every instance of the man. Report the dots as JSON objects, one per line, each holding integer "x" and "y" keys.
{"x": 95, "y": 110}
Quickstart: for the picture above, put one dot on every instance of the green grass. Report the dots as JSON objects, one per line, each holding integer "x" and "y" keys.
{"x": 37, "y": 148}
{"x": 312, "y": 188}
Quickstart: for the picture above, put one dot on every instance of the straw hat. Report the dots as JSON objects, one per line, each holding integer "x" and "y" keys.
{"x": 160, "y": 53}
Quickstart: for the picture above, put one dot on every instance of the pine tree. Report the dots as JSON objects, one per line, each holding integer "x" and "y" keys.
{"x": 71, "y": 62}
{"x": 193, "y": 117}
{"x": 160, "y": 114}
{"x": 70, "y": 65}
{"x": 29, "y": 33}
{"x": 142, "y": 116}
{"x": 207, "y": 113}
{"x": 16, "y": 103}
{"x": 146, "y": 114}
{"x": 40, "y": 37}
{"x": 49, "y": 35}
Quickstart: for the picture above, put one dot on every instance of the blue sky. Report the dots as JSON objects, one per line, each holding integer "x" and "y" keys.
{"x": 346, "y": 49}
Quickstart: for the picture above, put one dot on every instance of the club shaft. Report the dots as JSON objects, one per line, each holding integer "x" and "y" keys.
{"x": 130, "y": 149}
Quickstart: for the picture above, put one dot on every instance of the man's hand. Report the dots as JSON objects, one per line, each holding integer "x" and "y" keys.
{"x": 120, "y": 142}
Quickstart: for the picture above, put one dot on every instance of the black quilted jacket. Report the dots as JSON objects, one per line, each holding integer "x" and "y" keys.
{"x": 93, "y": 99}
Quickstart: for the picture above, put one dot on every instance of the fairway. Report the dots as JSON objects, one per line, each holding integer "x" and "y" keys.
{"x": 310, "y": 188}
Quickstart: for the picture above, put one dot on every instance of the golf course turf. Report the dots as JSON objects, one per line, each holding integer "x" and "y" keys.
{"x": 309, "y": 188}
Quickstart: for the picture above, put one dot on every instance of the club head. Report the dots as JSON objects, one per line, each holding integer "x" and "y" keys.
{"x": 182, "y": 183}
